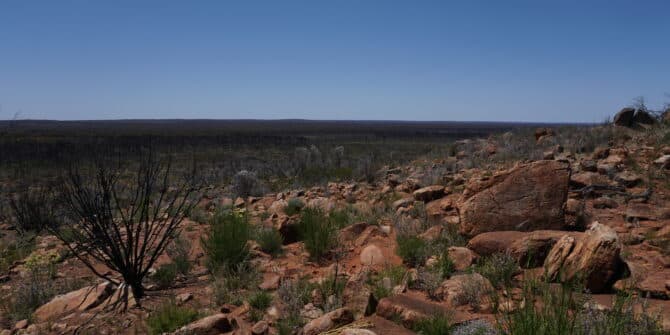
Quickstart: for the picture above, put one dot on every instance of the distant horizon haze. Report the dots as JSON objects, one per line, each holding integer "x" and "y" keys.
{"x": 475, "y": 61}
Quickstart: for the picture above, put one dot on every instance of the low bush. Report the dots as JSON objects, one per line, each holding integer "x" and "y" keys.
{"x": 17, "y": 250}
{"x": 294, "y": 294}
{"x": 270, "y": 241}
{"x": 33, "y": 210}
{"x": 260, "y": 300}
{"x": 293, "y": 206}
{"x": 165, "y": 275}
{"x": 412, "y": 249}
{"x": 564, "y": 310}
{"x": 169, "y": 317}
{"x": 331, "y": 286}
{"x": 445, "y": 266}
{"x": 439, "y": 324}
{"x": 317, "y": 232}
{"x": 428, "y": 280}
{"x": 231, "y": 287}
{"x": 498, "y": 269}
{"x": 475, "y": 327}
{"x": 36, "y": 290}
{"x": 246, "y": 183}
{"x": 395, "y": 274}
{"x": 226, "y": 243}
{"x": 179, "y": 251}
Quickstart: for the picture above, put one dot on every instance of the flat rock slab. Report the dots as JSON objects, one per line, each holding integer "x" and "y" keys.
{"x": 526, "y": 198}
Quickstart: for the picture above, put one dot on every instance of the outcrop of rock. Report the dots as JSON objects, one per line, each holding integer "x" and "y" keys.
{"x": 525, "y": 198}
{"x": 594, "y": 258}
{"x": 629, "y": 117}
{"x": 79, "y": 300}
{"x": 624, "y": 117}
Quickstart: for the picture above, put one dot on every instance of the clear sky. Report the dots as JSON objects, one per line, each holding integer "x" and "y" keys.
{"x": 535, "y": 60}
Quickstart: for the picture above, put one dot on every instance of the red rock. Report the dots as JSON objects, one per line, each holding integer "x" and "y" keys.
{"x": 429, "y": 193}
{"x": 210, "y": 325}
{"x": 372, "y": 256}
{"x": 528, "y": 197}
{"x": 462, "y": 257}
{"x": 595, "y": 256}
{"x": 328, "y": 321}
{"x": 79, "y": 300}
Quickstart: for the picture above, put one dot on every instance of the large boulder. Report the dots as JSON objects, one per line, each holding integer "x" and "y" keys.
{"x": 624, "y": 117}
{"x": 593, "y": 258}
{"x": 80, "y": 300}
{"x": 525, "y": 198}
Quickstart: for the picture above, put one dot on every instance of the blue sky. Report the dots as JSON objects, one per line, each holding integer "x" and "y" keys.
{"x": 555, "y": 61}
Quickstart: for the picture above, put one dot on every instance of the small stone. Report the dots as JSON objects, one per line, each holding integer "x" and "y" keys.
{"x": 23, "y": 324}
{"x": 260, "y": 328}
{"x": 270, "y": 282}
{"x": 184, "y": 297}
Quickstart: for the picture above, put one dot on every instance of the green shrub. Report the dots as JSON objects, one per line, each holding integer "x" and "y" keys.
{"x": 294, "y": 294}
{"x": 198, "y": 215}
{"x": 179, "y": 252}
{"x": 33, "y": 210}
{"x": 170, "y": 317}
{"x": 35, "y": 291}
{"x": 261, "y": 300}
{"x": 396, "y": 274}
{"x": 439, "y": 324}
{"x": 340, "y": 218}
{"x": 331, "y": 286}
{"x": 293, "y": 207}
{"x": 230, "y": 287}
{"x": 445, "y": 266}
{"x": 17, "y": 250}
{"x": 270, "y": 241}
{"x": 565, "y": 311}
{"x": 412, "y": 249}
{"x": 289, "y": 325}
{"x": 317, "y": 232}
{"x": 429, "y": 280}
{"x": 226, "y": 243}
{"x": 165, "y": 275}
{"x": 498, "y": 269}
{"x": 553, "y": 317}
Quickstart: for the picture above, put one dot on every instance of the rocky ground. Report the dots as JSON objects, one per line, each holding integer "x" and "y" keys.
{"x": 599, "y": 217}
